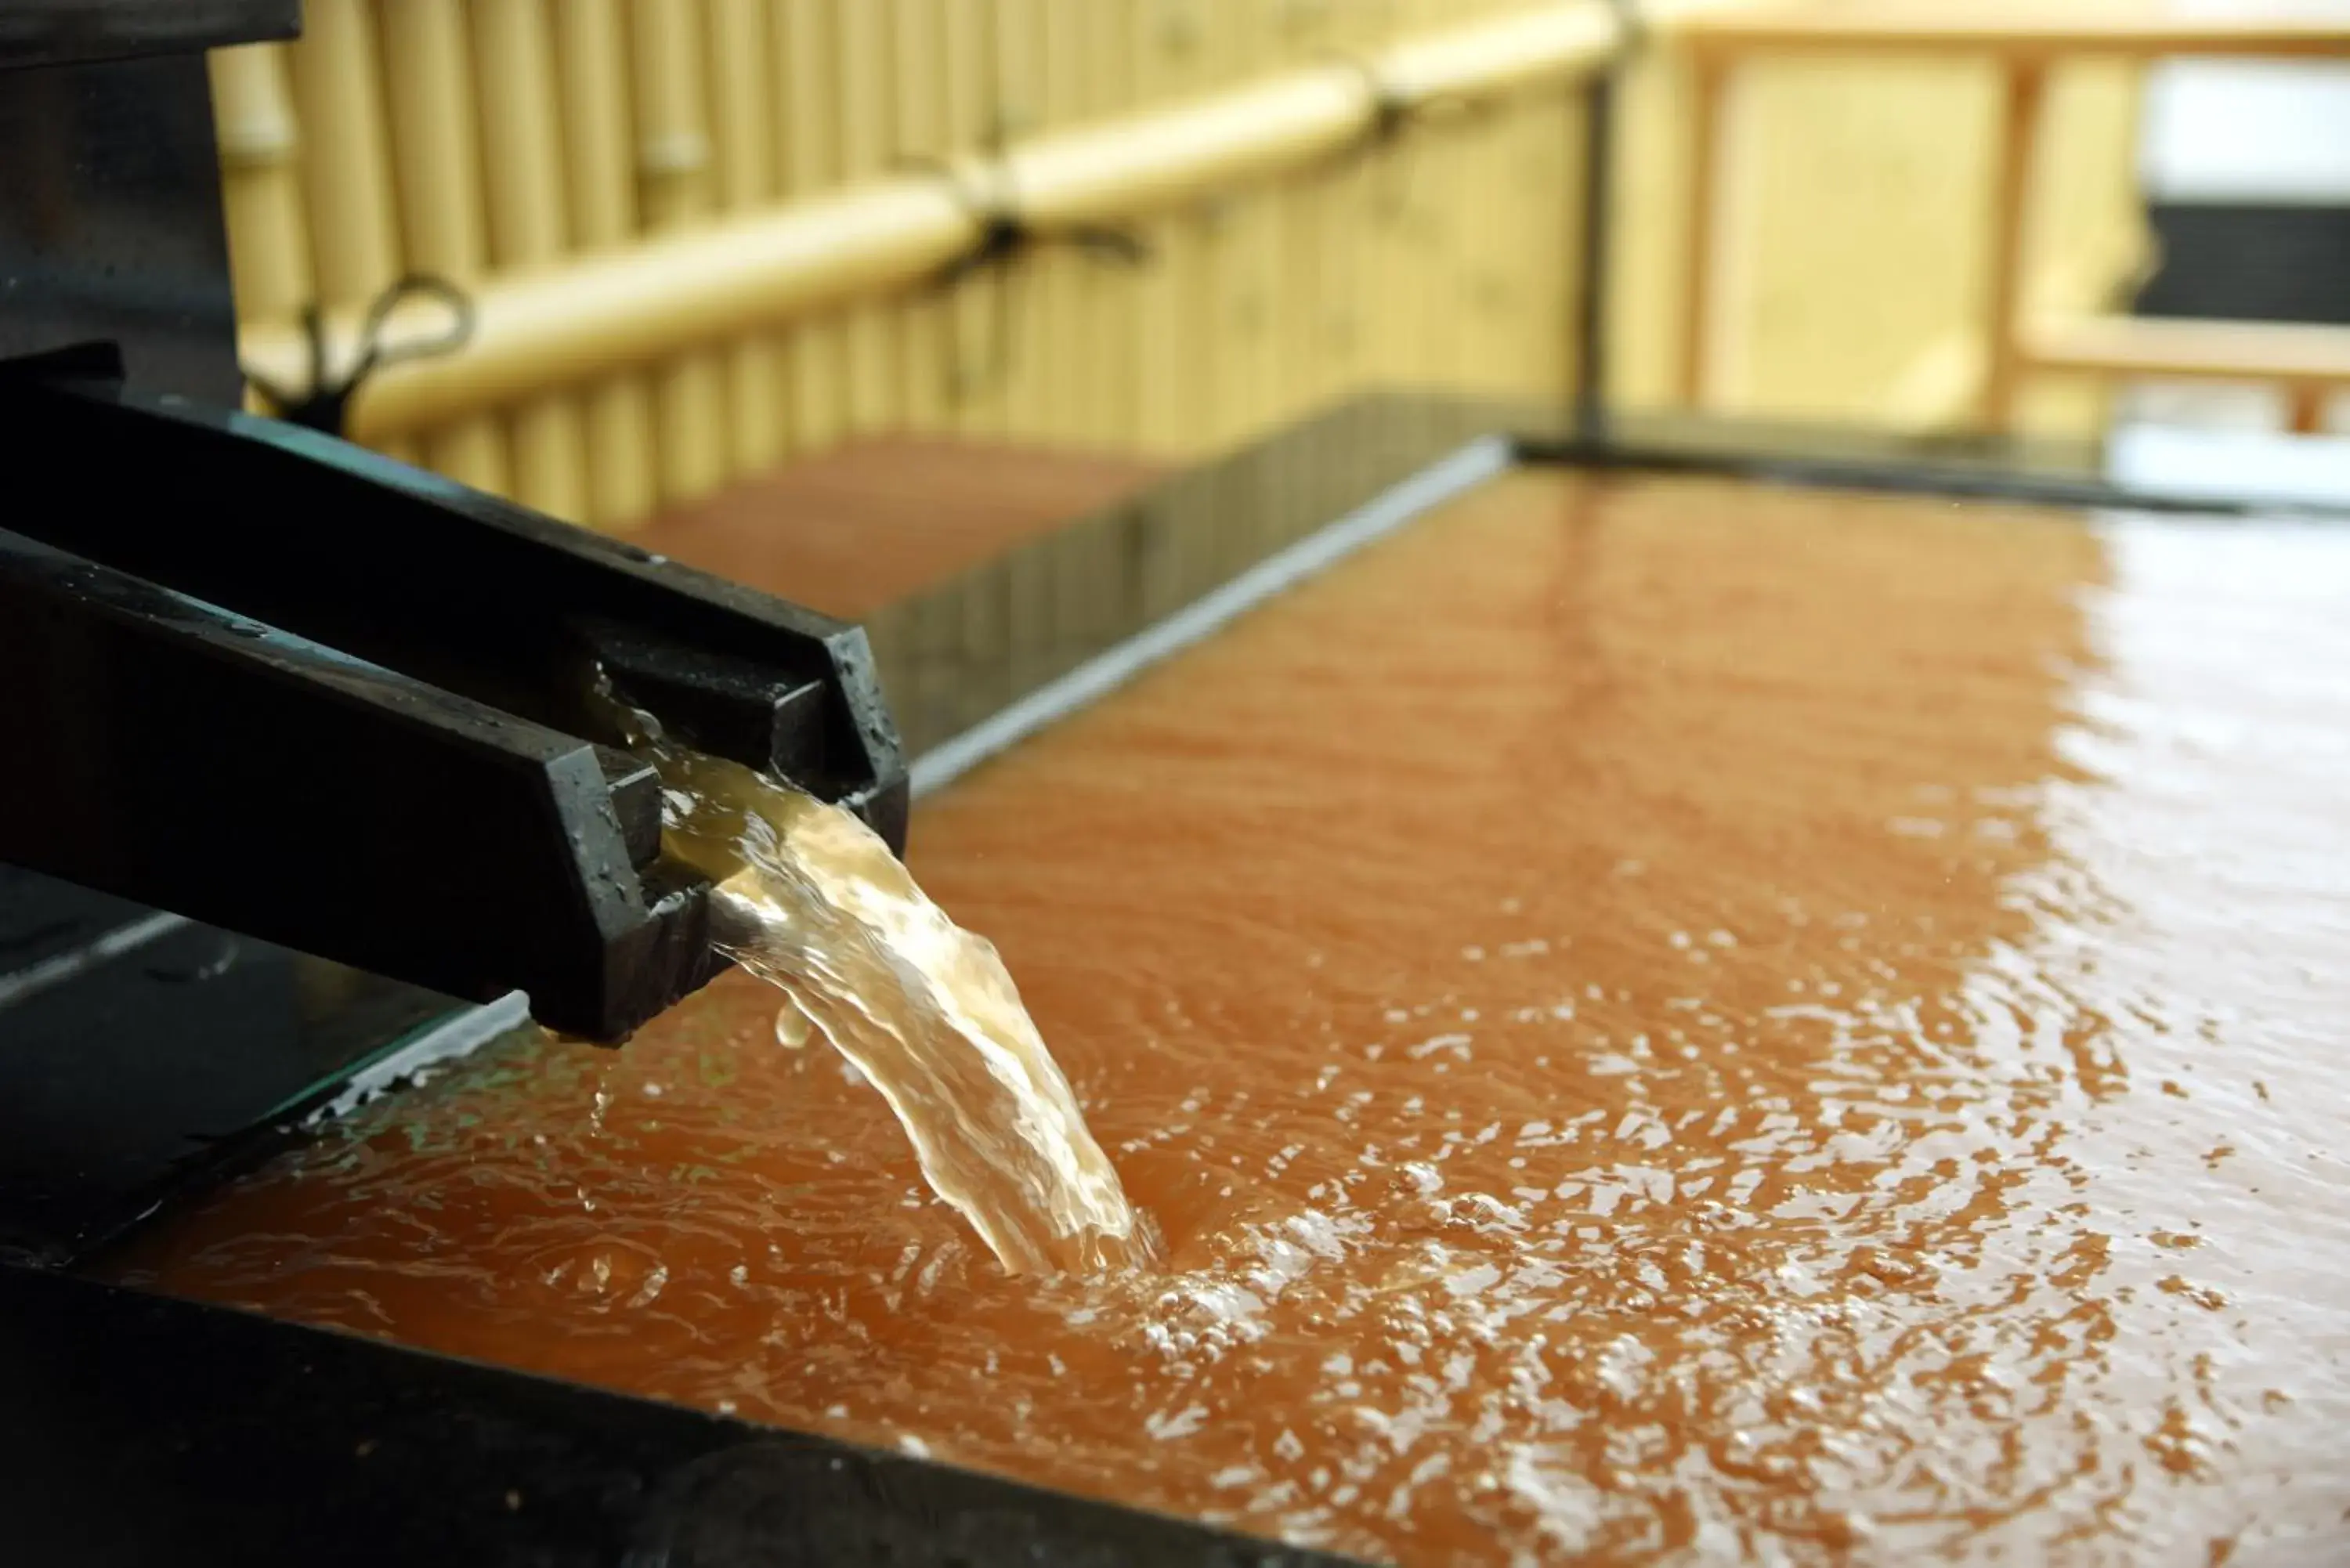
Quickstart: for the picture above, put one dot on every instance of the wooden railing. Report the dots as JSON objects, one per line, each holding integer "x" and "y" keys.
{"x": 2025, "y": 41}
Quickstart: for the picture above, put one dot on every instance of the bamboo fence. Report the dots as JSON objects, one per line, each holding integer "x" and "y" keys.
{"x": 704, "y": 236}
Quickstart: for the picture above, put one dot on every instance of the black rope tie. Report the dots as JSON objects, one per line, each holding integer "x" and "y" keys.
{"x": 1004, "y": 236}
{"x": 1393, "y": 113}
{"x": 326, "y": 405}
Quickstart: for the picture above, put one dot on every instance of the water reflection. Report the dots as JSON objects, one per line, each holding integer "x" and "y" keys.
{"x": 1658, "y": 1022}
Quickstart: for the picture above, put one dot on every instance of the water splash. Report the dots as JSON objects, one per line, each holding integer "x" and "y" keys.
{"x": 810, "y": 899}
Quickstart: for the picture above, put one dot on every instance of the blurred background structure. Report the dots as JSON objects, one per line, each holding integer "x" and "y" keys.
{"x": 708, "y": 239}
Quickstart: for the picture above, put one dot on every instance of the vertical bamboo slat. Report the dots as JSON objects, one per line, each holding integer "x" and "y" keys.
{"x": 1244, "y": 263}
{"x": 998, "y": 629}
{"x": 591, "y": 41}
{"x": 1157, "y": 334}
{"x": 261, "y": 195}
{"x": 1172, "y": 351}
{"x": 1439, "y": 189}
{"x": 354, "y": 232}
{"x": 1538, "y": 156}
{"x": 1487, "y": 239}
{"x": 861, "y": 38}
{"x": 1544, "y": 272}
{"x": 1548, "y": 163}
{"x": 522, "y": 153}
{"x": 1020, "y": 106}
{"x": 1424, "y": 167}
{"x": 1298, "y": 205}
{"x": 1390, "y": 288}
{"x": 970, "y": 108}
{"x": 1223, "y": 259}
{"x": 1394, "y": 274}
{"x": 437, "y": 159}
{"x": 1108, "y": 296}
{"x": 1709, "y": 82}
{"x": 346, "y": 187}
{"x": 927, "y": 340}
{"x": 805, "y": 122}
{"x": 1089, "y": 69}
{"x": 1176, "y": 59}
{"x": 1065, "y": 358}
{"x": 674, "y": 186}
{"x": 741, "y": 53}
{"x": 913, "y": 128}
{"x": 1316, "y": 306}
{"x": 1502, "y": 242}
{"x": 1496, "y": 239}
{"x": 1187, "y": 51}
{"x": 2023, "y": 91}
{"x": 1562, "y": 146}
{"x": 1021, "y": 109}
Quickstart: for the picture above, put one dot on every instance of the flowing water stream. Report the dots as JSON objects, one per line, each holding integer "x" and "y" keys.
{"x": 810, "y": 899}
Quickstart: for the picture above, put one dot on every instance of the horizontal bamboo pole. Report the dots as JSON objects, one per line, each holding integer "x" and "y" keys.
{"x": 2289, "y": 356}
{"x": 2012, "y": 28}
{"x": 632, "y": 306}
{"x": 1505, "y": 55}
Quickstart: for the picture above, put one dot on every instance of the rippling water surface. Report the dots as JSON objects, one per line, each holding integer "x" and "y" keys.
{"x": 1658, "y": 1022}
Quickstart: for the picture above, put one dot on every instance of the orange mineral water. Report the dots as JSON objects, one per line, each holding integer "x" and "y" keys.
{"x": 1658, "y": 1020}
